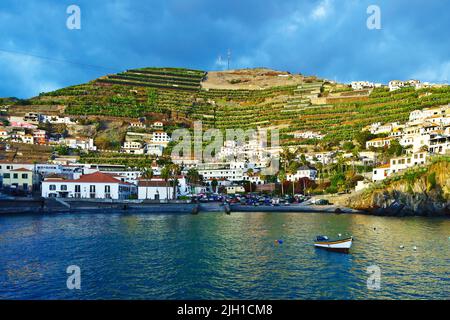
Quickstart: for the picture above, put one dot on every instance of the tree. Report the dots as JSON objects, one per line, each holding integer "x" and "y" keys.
{"x": 147, "y": 173}
{"x": 395, "y": 148}
{"x": 282, "y": 178}
{"x": 165, "y": 174}
{"x": 362, "y": 137}
{"x": 348, "y": 146}
{"x": 214, "y": 184}
{"x": 250, "y": 174}
{"x": 175, "y": 170}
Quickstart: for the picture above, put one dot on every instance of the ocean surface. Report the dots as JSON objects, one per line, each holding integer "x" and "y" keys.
{"x": 218, "y": 256}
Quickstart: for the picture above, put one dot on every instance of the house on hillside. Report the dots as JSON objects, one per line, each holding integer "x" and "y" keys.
{"x": 303, "y": 172}
{"x": 379, "y": 142}
{"x": 133, "y": 147}
{"x": 381, "y": 172}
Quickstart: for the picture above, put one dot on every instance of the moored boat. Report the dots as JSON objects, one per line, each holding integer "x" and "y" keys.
{"x": 340, "y": 245}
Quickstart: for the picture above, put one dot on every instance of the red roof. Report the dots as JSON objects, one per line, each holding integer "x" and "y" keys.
{"x": 96, "y": 177}
{"x": 143, "y": 183}
{"x": 22, "y": 169}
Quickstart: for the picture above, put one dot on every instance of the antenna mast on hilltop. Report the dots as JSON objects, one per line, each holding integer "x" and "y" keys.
{"x": 228, "y": 59}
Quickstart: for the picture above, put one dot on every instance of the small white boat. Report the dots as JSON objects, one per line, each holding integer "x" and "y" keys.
{"x": 340, "y": 245}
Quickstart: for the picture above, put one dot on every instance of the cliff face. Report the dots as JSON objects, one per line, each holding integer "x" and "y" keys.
{"x": 418, "y": 191}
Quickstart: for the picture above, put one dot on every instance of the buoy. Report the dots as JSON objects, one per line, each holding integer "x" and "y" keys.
{"x": 414, "y": 248}
{"x": 339, "y": 235}
{"x": 279, "y": 241}
{"x": 402, "y": 246}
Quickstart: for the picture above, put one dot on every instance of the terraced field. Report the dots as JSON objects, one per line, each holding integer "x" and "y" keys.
{"x": 178, "y": 94}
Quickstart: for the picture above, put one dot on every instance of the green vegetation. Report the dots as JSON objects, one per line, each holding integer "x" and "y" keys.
{"x": 176, "y": 94}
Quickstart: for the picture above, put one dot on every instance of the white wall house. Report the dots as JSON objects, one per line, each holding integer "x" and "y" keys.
{"x": 303, "y": 172}
{"x": 359, "y": 85}
{"x": 154, "y": 190}
{"x": 96, "y": 185}
{"x": 160, "y": 137}
{"x": 381, "y": 172}
{"x": 428, "y": 113}
{"x": 227, "y": 173}
{"x": 401, "y": 163}
{"x": 155, "y": 149}
{"x": 439, "y": 143}
{"x": 395, "y": 85}
{"x": 379, "y": 142}
{"x": 133, "y": 147}
{"x": 84, "y": 144}
{"x": 56, "y": 119}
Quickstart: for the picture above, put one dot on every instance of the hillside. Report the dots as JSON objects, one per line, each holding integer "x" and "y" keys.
{"x": 235, "y": 99}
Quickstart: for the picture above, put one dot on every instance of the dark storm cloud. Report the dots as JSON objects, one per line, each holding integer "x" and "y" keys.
{"x": 328, "y": 38}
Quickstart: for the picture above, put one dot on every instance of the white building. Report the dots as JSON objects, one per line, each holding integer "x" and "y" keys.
{"x": 379, "y": 142}
{"x": 83, "y": 144}
{"x": 424, "y": 114}
{"x": 360, "y": 85}
{"x": 439, "y": 143}
{"x": 133, "y": 147}
{"x": 308, "y": 135}
{"x": 229, "y": 171}
{"x": 96, "y": 185}
{"x": 154, "y": 190}
{"x": 56, "y": 119}
{"x": 395, "y": 85}
{"x": 325, "y": 157}
{"x": 158, "y": 125}
{"x": 381, "y": 172}
{"x": 398, "y": 164}
{"x": 155, "y": 149}
{"x": 303, "y": 172}
{"x": 401, "y": 163}
{"x": 158, "y": 189}
{"x": 234, "y": 189}
{"x": 137, "y": 124}
{"x": 160, "y": 137}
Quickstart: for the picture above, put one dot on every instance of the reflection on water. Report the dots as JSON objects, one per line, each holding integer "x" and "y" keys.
{"x": 219, "y": 256}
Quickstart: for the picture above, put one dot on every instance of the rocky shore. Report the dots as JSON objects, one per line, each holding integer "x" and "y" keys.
{"x": 419, "y": 192}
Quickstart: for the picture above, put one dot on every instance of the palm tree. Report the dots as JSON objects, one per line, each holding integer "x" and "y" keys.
{"x": 193, "y": 177}
{"x": 282, "y": 178}
{"x": 148, "y": 175}
{"x": 214, "y": 184}
{"x": 165, "y": 174}
{"x": 250, "y": 174}
{"x": 174, "y": 172}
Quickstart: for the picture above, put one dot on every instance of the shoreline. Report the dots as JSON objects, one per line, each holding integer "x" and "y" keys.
{"x": 52, "y": 206}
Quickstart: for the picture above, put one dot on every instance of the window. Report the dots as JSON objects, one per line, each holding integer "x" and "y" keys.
{"x": 6, "y": 175}
{"x": 15, "y": 176}
{"x": 77, "y": 188}
{"x": 63, "y": 187}
{"x": 24, "y": 175}
{"x": 91, "y": 188}
{"x": 107, "y": 189}
{"x": 52, "y": 187}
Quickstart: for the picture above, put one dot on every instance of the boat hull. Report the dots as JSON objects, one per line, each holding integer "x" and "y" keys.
{"x": 342, "y": 245}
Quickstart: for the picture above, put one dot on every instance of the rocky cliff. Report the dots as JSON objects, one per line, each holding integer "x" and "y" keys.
{"x": 417, "y": 191}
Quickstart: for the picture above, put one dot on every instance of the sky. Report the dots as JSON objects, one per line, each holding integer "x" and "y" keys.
{"x": 327, "y": 38}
